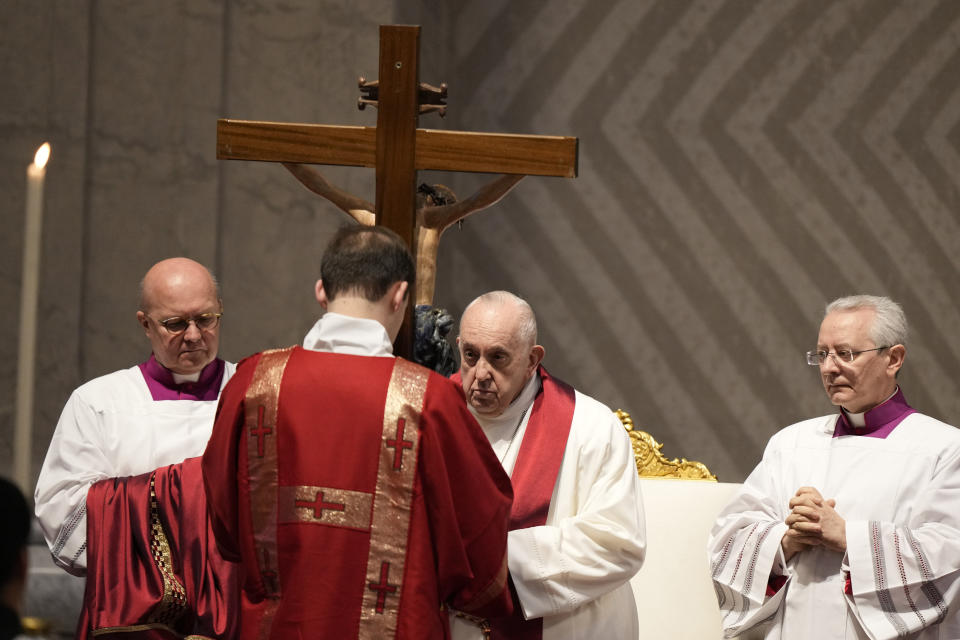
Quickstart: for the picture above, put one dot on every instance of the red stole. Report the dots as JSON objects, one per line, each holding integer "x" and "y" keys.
{"x": 153, "y": 569}
{"x": 534, "y": 477}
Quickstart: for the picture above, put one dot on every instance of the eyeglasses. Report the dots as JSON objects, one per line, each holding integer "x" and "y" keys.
{"x": 177, "y": 325}
{"x": 817, "y": 358}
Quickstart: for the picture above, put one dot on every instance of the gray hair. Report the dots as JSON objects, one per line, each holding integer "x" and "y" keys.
{"x": 527, "y": 331}
{"x": 889, "y": 322}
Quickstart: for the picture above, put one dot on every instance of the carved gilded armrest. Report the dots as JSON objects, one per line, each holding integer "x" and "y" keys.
{"x": 653, "y": 464}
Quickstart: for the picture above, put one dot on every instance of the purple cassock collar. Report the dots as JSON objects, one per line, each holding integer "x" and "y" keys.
{"x": 880, "y": 421}
{"x": 162, "y": 386}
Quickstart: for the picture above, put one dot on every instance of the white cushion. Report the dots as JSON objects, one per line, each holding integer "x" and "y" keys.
{"x": 674, "y": 592}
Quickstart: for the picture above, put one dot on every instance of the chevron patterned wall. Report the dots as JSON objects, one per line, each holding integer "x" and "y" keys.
{"x": 741, "y": 164}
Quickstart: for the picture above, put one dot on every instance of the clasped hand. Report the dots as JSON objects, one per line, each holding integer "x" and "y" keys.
{"x": 813, "y": 521}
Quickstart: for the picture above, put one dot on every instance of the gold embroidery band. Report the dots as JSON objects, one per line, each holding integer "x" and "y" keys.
{"x": 173, "y": 603}
{"x": 323, "y": 505}
{"x": 391, "y": 507}
{"x": 261, "y": 431}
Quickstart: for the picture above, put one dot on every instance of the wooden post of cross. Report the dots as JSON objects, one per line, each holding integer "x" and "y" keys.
{"x": 396, "y": 147}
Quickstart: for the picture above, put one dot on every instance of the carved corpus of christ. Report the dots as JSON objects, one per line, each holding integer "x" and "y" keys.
{"x": 432, "y": 217}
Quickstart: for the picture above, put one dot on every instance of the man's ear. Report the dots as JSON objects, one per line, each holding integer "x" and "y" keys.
{"x": 536, "y": 356}
{"x": 398, "y": 295}
{"x": 898, "y": 353}
{"x": 321, "y": 294}
{"x": 143, "y": 321}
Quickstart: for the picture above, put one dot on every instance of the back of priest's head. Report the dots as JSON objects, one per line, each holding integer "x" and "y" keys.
{"x": 365, "y": 261}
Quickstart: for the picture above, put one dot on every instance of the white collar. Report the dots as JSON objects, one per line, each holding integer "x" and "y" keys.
{"x": 512, "y": 413}
{"x": 180, "y": 378}
{"x": 337, "y": 333}
{"x": 859, "y": 419}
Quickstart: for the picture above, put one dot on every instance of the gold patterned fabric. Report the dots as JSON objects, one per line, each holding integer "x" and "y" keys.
{"x": 324, "y": 505}
{"x": 261, "y": 428}
{"x": 391, "y": 509}
{"x": 174, "y": 600}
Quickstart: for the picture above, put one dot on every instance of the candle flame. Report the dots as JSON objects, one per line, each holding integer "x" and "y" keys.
{"x": 42, "y": 155}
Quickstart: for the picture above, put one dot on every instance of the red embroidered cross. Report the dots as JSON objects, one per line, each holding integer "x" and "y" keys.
{"x": 261, "y": 431}
{"x": 383, "y": 588}
{"x": 399, "y": 445}
{"x": 318, "y": 505}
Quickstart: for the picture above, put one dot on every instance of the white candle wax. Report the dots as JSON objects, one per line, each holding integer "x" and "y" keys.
{"x": 30, "y": 281}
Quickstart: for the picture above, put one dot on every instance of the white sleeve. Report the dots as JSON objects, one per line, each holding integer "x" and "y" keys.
{"x": 600, "y": 543}
{"x": 744, "y": 549}
{"x": 74, "y": 461}
{"x": 906, "y": 577}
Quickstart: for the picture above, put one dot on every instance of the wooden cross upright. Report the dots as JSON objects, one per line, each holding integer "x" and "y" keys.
{"x": 396, "y": 147}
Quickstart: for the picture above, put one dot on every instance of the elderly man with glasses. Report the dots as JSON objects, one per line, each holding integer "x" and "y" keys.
{"x": 850, "y": 525}
{"x": 135, "y": 420}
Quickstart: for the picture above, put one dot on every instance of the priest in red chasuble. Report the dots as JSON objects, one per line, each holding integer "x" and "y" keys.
{"x": 356, "y": 491}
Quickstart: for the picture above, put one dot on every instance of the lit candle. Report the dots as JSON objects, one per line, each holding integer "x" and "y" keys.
{"x": 30, "y": 282}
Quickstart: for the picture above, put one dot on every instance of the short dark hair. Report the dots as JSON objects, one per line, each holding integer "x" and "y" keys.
{"x": 365, "y": 260}
{"x": 14, "y": 528}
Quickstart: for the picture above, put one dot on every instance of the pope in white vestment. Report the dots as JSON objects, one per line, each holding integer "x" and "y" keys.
{"x": 573, "y": 571}
{"x": 892, "y": 475}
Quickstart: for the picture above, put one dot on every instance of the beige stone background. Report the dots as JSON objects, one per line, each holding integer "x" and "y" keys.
{"x": 741, "y": 163}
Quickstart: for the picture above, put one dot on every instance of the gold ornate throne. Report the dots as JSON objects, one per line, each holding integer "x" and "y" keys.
{"x": 653, "y": 464}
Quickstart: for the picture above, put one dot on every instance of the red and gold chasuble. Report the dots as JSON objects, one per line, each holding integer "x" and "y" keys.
{"x": 347, "y": 512}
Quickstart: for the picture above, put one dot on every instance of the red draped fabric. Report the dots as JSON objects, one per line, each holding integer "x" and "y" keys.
{"x": 359, "y": 495}
{"x": 153, "y": 569}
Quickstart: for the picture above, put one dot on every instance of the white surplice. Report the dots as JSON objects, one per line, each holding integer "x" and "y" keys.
{"x": 112, "y": 427}
{"x": 574, "y": 571}
{"x": 900, "y": 497}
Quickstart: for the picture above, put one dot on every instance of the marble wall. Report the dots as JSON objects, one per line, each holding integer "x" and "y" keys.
{"x": 741, "y": 163}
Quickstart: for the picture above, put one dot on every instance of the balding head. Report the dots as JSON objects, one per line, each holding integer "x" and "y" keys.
{"x": 498, "y": 350}
{"x": 167, "y": 276}
{"x": 517, "y": 313}
{"x": 180, "y": 288}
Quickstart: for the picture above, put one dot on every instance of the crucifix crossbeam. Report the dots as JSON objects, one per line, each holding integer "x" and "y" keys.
{"x": 435, "y": 149}
{"x": 397, "y": 149}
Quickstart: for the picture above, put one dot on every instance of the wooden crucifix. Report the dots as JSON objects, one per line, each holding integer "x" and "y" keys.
{"x": 398, "y": 149}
